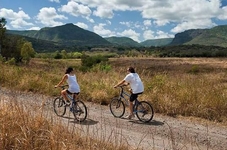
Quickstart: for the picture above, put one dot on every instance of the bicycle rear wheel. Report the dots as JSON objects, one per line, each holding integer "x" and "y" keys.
{"x": 144, "y": 111}
{"x": 59, "y": 106}
{"x": 117, "y": 107}
{"x": 79, "y": 110}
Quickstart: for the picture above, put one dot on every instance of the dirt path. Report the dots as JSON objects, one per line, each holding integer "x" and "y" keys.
{"x": 162, "y": 133}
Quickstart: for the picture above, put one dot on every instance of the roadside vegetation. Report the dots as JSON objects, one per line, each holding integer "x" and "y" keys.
{"x": 174, "y": 86}
{"x": 21, "y": 129}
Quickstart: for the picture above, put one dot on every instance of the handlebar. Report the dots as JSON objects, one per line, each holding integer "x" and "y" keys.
{"x": 63, "y": 86}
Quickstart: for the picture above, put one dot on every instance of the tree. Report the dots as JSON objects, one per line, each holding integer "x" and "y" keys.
{"x": 27, "y": 51}
{"x": 2, "y": 33}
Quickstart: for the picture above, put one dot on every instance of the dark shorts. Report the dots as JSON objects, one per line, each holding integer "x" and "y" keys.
{"x": 72, "y": 93}
{"x": 134, "y": 96}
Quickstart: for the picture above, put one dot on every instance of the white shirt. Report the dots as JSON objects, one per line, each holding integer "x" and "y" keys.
{"x": 73, "y": 85}
{"x": 135, "y": 82}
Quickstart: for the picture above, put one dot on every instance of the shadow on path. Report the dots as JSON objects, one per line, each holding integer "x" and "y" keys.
{"x": 152, "y": 122}
{"x": 85, "y": 122}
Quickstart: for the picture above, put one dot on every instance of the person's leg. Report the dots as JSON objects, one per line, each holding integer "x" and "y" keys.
{"x": 131, "y": 108}
{"x": 132, "y": 98}
{"x": 63, "y": 93}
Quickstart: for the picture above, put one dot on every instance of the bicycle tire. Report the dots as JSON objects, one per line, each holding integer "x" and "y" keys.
{"x": 59, "y": 106}
{"x": 117, "y": 107}
{"x": 144, "y": 111}
{"x": 79, "y": 110}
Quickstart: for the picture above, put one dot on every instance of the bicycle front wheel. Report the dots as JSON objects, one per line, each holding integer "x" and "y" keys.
{"x": 117, "y": 107}
{"x": 144, "y": 111}
{"x": 59, "y": 106}
{"x": 79, "y": 110}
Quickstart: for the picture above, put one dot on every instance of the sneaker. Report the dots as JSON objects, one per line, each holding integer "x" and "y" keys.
{"x": 130, "y": 116}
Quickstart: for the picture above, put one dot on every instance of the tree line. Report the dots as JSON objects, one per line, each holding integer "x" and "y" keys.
{"x": 13, "y": 48}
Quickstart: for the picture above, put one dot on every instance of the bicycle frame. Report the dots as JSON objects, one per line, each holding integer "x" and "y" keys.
{"x": 124, "y": 94}
{"x": 77, "y": 107}
{"x": 142, "y": 109}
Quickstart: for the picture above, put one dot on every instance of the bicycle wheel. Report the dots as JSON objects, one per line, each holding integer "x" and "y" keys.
{"x": 117, "y": 107}
{"x": 79, "y": 110}
{"x": 144, "y": 111}
{"x": 59, "y": 107}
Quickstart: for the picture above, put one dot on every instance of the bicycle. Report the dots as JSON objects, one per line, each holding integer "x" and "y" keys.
{"x": 143, "y": 110}
{"x": 77, "y": 107}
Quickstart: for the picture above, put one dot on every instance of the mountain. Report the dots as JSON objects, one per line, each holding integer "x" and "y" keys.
{"x": 157, "y": 42}
{"x": 186, "y": 36}
{"x": 71, "y": 37}
{"x": 215, "y": 36}
{"x": 123, "y": 41}
{"x": 66, "y": 35}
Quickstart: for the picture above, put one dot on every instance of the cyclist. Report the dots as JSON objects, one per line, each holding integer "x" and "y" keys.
{"x": 74, "y": 87}
{"x": 136, "y": 85}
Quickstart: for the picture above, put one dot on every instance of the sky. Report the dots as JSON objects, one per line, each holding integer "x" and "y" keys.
{"x": 139, "y": 20}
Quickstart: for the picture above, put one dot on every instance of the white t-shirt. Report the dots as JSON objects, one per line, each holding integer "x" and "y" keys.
{"x": 135, "y": 82}
{"x": 73, "y": 85}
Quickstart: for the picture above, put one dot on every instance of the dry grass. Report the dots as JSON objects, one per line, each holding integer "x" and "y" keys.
{"x": 22, "y": 129}
{"x": 174, "y": 86}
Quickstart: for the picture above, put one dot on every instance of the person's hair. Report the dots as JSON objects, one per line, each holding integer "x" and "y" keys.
{"x": 131, "y": 69}
{"x": 68, "y": 70}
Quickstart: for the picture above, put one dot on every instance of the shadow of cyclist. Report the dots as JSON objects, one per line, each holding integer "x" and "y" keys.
{"x": 152, "y": 122}
{"x": 85, "y": 122}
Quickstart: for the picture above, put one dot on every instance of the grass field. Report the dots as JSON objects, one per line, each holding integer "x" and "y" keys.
{"x": 174, "y": 86}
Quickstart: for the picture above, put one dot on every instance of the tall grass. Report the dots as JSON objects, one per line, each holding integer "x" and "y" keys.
{"x": 188, "y": 87}
{"x": 22, "y": 129}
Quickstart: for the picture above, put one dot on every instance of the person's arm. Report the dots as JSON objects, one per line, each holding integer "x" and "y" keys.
{"x": 121, "y": 83}
{"x": 64, "y": 78}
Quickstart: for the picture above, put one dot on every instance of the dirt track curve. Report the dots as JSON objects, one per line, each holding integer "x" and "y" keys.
{"x": 162, "y": 133}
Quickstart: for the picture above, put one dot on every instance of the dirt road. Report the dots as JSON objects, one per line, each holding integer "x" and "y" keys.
{"x": 162, "y": 133}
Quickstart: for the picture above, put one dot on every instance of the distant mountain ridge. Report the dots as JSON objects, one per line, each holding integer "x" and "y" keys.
{"x": 157, "y": 42}
{"x": 67, "y": 34}
{"x": 123, "y": 41}
{"x": 215, "y": 36}
{"x": 71, "y": 36}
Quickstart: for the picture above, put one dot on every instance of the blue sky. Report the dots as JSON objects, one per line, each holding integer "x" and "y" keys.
{"x": 137, "y": 19}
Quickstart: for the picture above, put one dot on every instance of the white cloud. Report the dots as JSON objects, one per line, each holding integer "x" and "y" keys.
{"x": 148, "y": 34}
{"x": 34, "y": 28}
{"x": 100, "y": 30}
{"x": 82, "y": 25}
{"x": 16, "y": 19}
{"x": 48, "y": 17}
{"x": 161, "y": 34}
{"x": 76, "y": 9}
{"x": 11, "y": 15}
{"x": 223, "y": 13}
{"x": 193, "y": 24}
{"x": 57, "y": 1}
{"x": 147, "y": 22}
{"x": 104, "y": 12}
{"x": 19, "y": 23}
{"x": 182, "y": 11}
{"x": 131, "y": 34}
{"x": 128, "y": 24}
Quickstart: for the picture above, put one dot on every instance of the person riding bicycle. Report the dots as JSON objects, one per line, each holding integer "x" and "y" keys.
{"x": 74, "y": 87}
{"x": 136, "y": 85}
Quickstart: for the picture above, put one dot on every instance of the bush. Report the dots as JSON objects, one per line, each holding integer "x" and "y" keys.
{"x": 88, "y": 62}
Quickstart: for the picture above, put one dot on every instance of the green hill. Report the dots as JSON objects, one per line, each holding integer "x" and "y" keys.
{"x": 68, "y": 35}
{"x": 157, "y": 42}
{"x": 123, "y": 41}
{"x": 216, "y": 36}
{"x": 186, "y": 36}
